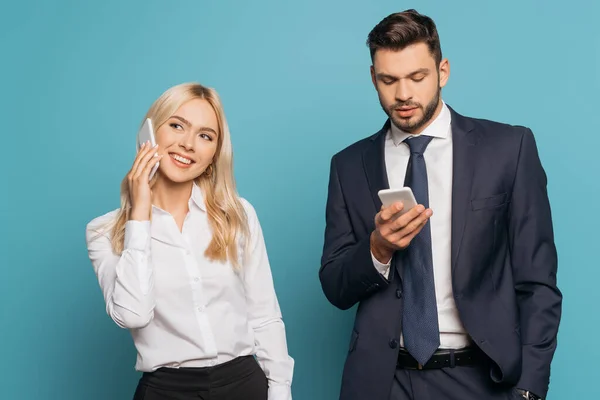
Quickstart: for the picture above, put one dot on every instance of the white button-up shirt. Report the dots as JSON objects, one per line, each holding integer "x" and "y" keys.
{"x": 184, "y": 310}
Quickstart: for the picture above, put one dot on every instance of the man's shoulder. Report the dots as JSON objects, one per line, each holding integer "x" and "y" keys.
{"x": 494, "y": 128}
{"x": 356, "y": 149}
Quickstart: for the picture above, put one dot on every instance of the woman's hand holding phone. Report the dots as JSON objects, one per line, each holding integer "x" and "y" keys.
{"x": 138, "y": 180}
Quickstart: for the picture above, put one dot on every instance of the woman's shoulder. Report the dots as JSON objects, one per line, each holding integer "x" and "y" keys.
{"x": 100, "y": 226}
{"x": 249, "y": 209}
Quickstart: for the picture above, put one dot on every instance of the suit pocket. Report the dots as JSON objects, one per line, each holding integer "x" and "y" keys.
{"x": 353, "y": 340}
{"x": 494, "y": 201}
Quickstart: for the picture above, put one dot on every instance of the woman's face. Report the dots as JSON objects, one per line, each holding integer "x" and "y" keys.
{"x": 188, "y": 140}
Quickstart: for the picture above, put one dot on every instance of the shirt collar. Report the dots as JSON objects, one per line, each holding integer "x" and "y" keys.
{"x": 439, "y": 128}
{"x": 196, "y": 198}
{"x": 166, "y": 231}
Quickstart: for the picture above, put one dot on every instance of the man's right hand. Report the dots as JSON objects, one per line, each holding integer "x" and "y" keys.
{"x": 394, "y": 232}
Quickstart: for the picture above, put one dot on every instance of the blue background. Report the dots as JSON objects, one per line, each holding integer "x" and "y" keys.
{"x": 77, "y": 77}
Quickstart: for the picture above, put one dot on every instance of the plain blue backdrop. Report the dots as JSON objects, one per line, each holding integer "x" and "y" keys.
{"x": 77, "y": 78}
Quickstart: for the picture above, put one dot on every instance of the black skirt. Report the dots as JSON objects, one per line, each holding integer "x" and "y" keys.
{"x": 238, "y": 379}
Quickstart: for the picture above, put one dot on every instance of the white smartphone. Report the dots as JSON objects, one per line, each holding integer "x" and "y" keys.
{"x": 146, "y": 134}
{"x": 404, "y": 195}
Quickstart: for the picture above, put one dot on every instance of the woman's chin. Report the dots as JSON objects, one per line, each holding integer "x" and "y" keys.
{"x": 177, "y": 178}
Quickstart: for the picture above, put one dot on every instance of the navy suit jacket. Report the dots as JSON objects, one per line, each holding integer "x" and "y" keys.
{"x": 503, "y": 262}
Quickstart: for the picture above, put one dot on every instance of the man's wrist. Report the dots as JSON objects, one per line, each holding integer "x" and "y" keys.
{"x": 381, "y": 253}
{"x": 528, "y": 395}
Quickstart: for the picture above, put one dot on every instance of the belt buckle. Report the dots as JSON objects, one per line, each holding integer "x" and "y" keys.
{"x": 419, "y": 366}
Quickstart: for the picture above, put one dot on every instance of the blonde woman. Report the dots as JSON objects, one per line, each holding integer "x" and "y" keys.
{"x": 182, "y": 264}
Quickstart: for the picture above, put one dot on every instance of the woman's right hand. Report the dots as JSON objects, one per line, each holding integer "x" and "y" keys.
{"x": 139, "y": 185}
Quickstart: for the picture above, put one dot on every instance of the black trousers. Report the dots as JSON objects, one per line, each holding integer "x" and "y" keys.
{"x": 238, "y": 379}
{"x": 459, "y": 383}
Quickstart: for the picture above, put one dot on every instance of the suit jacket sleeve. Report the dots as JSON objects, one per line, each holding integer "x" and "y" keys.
{"x": 534, "y": 263}
{"x": 347, "y": 272}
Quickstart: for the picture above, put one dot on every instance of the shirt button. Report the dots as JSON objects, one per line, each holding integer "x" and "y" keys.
{"x": 201, "y": 308}
{"x": 196, "y": 279}
{"x": 393, "y": 343}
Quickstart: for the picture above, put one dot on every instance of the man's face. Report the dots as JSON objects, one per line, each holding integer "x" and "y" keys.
{"x": 409, "y": 83}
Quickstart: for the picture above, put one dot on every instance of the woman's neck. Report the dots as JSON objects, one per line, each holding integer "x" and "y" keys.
{"x": 171, "y": 196}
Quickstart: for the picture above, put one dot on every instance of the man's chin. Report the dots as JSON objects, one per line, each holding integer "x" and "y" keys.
{"x": 406, "y": 125}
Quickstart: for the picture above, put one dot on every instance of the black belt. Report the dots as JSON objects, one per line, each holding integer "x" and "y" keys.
{"x": 444, "y": 358}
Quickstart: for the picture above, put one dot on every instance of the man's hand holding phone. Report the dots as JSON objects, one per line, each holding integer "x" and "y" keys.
{"x": 394, "y": 231}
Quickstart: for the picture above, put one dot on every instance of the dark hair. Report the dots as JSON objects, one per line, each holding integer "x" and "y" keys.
{"x": 399, "y": 30}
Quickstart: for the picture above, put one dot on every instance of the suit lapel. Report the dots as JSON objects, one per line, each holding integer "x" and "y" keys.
{"x": 374, "y": 164}
{"x": 464, "y": 146}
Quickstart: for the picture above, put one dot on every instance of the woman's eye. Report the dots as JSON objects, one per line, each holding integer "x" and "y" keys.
{"x": 176, "y": 126}
{"x": 206, "y": 137}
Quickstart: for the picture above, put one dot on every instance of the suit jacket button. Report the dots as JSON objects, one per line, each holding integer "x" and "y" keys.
{"x": 399, "y": 293}
{"x": 393, "y": 343}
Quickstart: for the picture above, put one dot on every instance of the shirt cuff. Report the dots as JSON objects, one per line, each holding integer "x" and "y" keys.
{"x": 383, "y": 269}
{"x": 279, "y": 392}
{"x": 137, "y": 235}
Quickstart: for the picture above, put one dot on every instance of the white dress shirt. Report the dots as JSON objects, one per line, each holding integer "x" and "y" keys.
{"x": 438, "y": 158}
{"x": 184, "y": 310}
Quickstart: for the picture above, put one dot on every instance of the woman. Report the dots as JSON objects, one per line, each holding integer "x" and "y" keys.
{"x": 183, "y": 265}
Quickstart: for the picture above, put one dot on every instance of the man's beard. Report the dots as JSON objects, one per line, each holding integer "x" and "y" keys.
{"x": 407, "y": 125}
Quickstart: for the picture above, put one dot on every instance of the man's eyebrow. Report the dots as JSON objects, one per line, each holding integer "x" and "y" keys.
{"x": 383, "y": 75}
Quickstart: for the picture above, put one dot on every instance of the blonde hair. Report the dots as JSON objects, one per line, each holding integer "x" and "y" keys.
{"x": 226, "y": 214}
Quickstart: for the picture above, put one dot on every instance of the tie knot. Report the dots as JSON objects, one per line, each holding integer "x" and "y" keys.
{"x": 418, "y": 144}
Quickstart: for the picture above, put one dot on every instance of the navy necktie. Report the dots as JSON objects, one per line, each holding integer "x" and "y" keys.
{"x": 419, "y": 318}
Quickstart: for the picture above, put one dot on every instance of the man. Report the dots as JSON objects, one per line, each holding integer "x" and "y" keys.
{"x": 457, "y": 297}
